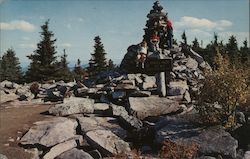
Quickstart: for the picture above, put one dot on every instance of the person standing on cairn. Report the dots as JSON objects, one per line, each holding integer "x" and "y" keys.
{"x": 142, "y": 54}
{"x": 169, "y": 33}
{"x": 154, "y": 40}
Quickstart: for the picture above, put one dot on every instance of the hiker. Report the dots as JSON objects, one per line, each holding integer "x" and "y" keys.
{"x": 154, "y": 40}
{"x": 169, "y": 33}
{"x": 142, "y": 54}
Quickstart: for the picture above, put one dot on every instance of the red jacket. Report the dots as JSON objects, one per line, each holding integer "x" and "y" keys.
{"x": 169, "y": 24}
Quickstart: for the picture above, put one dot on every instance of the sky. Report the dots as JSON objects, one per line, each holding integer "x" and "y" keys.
{"x": 119, "y": 23}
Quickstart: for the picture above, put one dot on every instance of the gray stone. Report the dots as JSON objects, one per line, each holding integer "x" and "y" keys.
{"x": 101, "y": 123}
{"x": 118, "y": 94}
{"x": 101, "y": 108}
{"x": 95, "y": 154}
{"x": 73, "y": 105}
{"x": 192, "y": 64}
{"x": 152, "y": 106}
{"x": 50, "y": 132}
{"x": 247, "y": 155}
{"x": 125, "y": 87}
{"x": 213, "y": 140}
{"x": 7, "y": 97}
{"x": 240, "y": 117}
{"x": 196, "y": 56}
{"x": 74, "y": 154}
{"x": 187, "y": 97}
{"x": 3, "y": 156}
{"x": 126, "y": 121}
{"x": 107, "y": 142}
{"x": 62, "y": 147}
{"x": 177, "y": 88}
{"x": 140, "y": 94}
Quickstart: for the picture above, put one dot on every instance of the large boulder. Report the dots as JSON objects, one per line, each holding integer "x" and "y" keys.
{"x": 212, "y": 140}
{"x": 5, "y": 97}
{"x": 128, "y": 63}
{"x": 50, "y": 132}
{"x": 152, "y": 106}
{"x": 126, "y": 121}
{"x": 74, "y": 154}
{"x": 107, "y": 142}
{"x": 73, "y": 105}
{"x": 101, "y": 123}
{"x": 62, "y": 147}
{"x": 177, "y": 87}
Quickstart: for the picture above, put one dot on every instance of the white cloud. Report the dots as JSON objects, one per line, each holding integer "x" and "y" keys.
{"x": 26, "y": 38}
{"x": 17, "y": 25}
{"x": 67, "y": 45}
{"x": 25, "y": 46}
{"x": 202, "y": 23}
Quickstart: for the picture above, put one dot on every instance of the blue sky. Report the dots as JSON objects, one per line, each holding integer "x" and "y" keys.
{"x": 119, "y": 23}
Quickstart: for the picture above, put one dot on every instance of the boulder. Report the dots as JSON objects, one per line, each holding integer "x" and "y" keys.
{"x": 3, "y": 156}
{"x": 247, "y": 155}
{"x": 212, "y": 140}
{"x": 62, "y": 147}
{"x": 191, "y": 64}
{"x": 126, "y": 121}
{"x": 74, "y": 154}
{"x": 187, "y": 97}
{"x": 73, "y": 105}
{"x": 118, "y": 94}
{"x": 7, "y": 97}
{"x": 101, "y": 123}
{"x": 107, "y": 142}
{"x": 140, "y": 94}
{"x": 50, "y": 132}
{"x": 152, "y": 106}
{"x": 125, "y": 87}
{"x": 101, "y": 108}
{"x": 177, "y": 88}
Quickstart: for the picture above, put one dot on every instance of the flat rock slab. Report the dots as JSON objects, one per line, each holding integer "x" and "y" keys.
{"x": 212, "y": 140}
{"x": 50, "y": 132}
{"x": 60, "y": 148}
{"x": 101, "y": 123}
{"x": 107, "y": 142}
{"x": 73, "y": 105}
{"x": 74, "y": 154}
{"x": 152, "y": 106}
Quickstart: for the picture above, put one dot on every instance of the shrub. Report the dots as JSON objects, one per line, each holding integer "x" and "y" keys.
{"x": 178, "y": 151}
{"x": 227, "y": 86}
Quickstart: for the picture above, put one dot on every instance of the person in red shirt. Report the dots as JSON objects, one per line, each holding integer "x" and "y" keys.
{"x": 169, "y": 33}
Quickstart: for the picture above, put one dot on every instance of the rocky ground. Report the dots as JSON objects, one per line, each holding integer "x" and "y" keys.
{"x": 118, "y": 115}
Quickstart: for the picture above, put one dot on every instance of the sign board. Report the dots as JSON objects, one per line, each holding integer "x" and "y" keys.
{"x": 153, "y": 66}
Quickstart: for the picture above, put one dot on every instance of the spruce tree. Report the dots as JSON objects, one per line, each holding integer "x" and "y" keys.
{"x": 184, "y": 38}
{"x": 196, "y": 45}
{"x": 98, "y": 62}
{"x": 64, "y": 71}
{"x": 10, "y": 67}
{"x": 245, "y": 51}
{"x": 43, "y": 64}
{"x": 111, "y": 65}
{"x": 79, "y": 72}
{"x": 232, "y": 48}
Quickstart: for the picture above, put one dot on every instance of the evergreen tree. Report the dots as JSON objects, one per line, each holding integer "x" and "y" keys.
{"x": 98, "y": 61}
{"x": 111, "y": 65}
{"x": 196, "y": 45}
{"x": 232, "y": 48}
{"x": 64, "y": 71}
{"x": 245, "y": 51}
{"x": 79, "y": 72}
{"x": 10, "y": 67}
{"x": 184, "y": 38}
{"x": 43, "y": 64}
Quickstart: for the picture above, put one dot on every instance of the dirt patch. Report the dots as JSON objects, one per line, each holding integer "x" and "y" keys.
{"x": 16, "y": 119}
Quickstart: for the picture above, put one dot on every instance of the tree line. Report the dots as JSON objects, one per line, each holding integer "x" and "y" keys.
{"x": 45, "y": 65}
